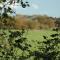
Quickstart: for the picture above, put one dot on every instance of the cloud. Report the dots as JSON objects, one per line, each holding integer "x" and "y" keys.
{"x": 35, "y": 6}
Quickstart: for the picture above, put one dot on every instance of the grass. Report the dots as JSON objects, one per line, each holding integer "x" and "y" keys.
{"x": 32, "y": 37}
{"x": 37, "y": 35}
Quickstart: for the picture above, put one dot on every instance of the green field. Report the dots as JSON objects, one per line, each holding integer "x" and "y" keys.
{"x": 37, "y": 36}
{"x": 33, "y": 36}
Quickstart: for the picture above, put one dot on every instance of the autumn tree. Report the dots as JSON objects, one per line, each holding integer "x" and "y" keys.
{"x": 7, "y": 10}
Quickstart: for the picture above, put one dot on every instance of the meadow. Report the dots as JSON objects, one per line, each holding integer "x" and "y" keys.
{"x": 33, "y": 37}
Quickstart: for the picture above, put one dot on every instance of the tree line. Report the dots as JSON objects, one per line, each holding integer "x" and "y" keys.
{"x": 29, "y": 22}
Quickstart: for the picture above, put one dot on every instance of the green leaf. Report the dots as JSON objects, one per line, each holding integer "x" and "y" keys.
{"x": 4, "y": 0}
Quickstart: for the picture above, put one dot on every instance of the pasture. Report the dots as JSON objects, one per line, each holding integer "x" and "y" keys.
{"x": 33, "y": 38}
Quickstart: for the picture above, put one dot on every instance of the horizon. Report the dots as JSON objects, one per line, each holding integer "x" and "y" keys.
{"x": 38, "y": 15}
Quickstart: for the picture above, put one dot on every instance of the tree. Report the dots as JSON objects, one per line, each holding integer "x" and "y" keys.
{"x": 6, "y": 6}
{"x": 6, "y": 10}
{"x": 8, "y": 45}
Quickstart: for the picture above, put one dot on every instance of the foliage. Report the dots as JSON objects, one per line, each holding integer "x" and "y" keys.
{"x": 35, "y": 22}
{"x": 6, "y": 6}
{"x": 51, "y": 49}
{"x": 10, "y": 43}
{"x": 14, "y": 45}
{"x": 6, "y": 10}
{"x": 15, "y": 40}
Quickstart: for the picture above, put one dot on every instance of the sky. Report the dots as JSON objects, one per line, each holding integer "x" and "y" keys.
{"x": 40, "y": 7}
